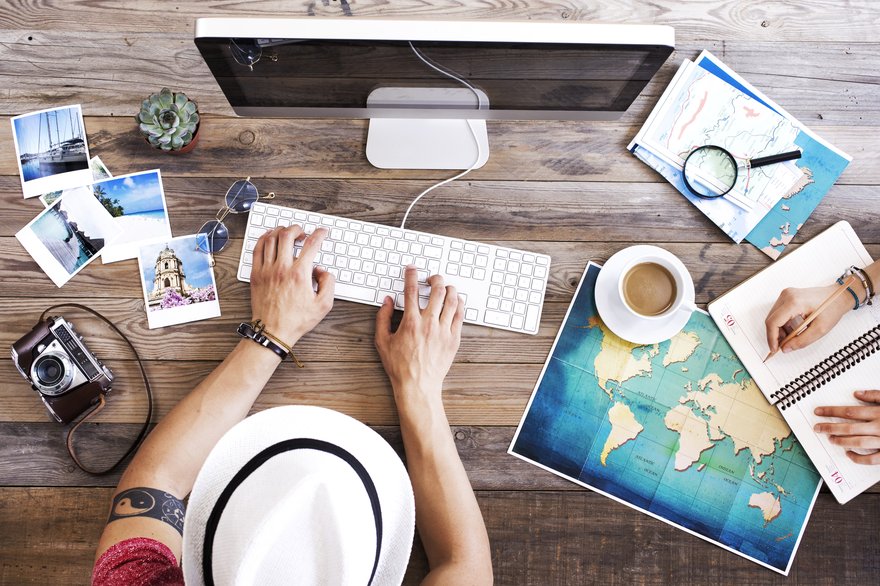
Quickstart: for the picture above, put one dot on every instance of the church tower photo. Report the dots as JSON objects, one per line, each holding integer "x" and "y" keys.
{"x": 169, "y": 275}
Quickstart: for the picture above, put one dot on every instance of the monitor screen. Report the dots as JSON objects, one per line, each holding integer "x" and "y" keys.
{"x": 335, "y": 76}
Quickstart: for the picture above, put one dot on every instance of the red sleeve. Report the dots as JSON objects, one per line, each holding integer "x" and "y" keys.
{"x": 137, "y": 562}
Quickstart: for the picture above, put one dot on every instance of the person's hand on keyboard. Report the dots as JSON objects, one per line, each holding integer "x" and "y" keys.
{"x": 419, "y": 354}
{"x": 281, "y": 285}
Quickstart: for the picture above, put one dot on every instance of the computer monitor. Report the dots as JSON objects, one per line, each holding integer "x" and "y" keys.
{"x": 429, "y": 86}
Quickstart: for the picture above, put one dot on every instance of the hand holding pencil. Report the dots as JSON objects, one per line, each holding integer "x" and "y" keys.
{"x": 813, "y": 311}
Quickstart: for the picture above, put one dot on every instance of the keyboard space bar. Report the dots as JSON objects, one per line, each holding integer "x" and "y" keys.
{"x": 347, "y": 290}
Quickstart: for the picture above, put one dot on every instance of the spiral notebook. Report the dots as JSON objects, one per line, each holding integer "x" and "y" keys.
{"x": 825, "y": 373}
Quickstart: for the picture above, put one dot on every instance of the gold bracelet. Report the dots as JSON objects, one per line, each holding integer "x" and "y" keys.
{"x": 260, "y": 328}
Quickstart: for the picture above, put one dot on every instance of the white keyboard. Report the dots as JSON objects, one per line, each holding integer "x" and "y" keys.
{"x": 503, "y": 287}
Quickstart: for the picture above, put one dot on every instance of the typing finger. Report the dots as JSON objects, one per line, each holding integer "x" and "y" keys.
{"x": 859, "y": 442}
{"x": 458, "y": 318}
{"x": 326, "y": 282}
{"x": 286, "y": 238}
{"x": 269, "y": 246}
{"x": 843, "y": 428}
{"x": 450, "y": 304}
{"x": 310, "y": 248}
{"x": 383, "y": 320}
{"x": 438, "y": 294}
{"x": 411, "y": 292}
{"x": 855, "y": 413}
{"x": 258, "y": 255}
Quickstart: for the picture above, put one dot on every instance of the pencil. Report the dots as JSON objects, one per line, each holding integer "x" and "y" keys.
{"x": 800, "y": 329}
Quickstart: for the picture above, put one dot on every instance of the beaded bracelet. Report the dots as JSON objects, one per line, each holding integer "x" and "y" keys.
{"x": 867, "y": 282}
{"x": 851, "y": 292}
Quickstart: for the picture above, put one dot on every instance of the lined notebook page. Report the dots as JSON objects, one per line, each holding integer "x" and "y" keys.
{"x": 741, "y": 312}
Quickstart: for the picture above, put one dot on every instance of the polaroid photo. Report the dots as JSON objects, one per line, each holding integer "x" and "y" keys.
{"x": 52, "y": 150}
{"x": 177, "y": 281}
{"x": 99, "y": 173}
{"x": 137, "y": 202}
{"x": 66, "y": 237}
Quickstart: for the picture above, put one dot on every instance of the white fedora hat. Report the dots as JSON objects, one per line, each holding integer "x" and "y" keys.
{"x": 299, "y": 495}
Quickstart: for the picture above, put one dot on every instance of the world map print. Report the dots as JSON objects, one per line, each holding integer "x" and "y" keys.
{"x": 677, "y": 430}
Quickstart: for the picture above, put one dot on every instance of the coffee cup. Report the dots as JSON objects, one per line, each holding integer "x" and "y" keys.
{"x": 652, "y": 287}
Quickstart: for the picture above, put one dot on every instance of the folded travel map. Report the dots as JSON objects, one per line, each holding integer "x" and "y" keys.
{"x": 677, "y": 430}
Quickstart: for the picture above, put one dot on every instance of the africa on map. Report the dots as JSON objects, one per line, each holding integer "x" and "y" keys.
{"x": 677, "y": 429}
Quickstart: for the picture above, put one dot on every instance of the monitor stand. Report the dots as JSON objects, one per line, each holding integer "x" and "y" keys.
{"x": 426, "y": 143}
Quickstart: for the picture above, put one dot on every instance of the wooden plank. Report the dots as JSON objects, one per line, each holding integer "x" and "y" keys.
{"x": 34, "y": 454}
{"x": 551, "y": 150}
{"x": 752, "y": 21}
{"x": 576, "y": 211}
{"x": 474, "y": 394}
{"x": 536, "y": 537}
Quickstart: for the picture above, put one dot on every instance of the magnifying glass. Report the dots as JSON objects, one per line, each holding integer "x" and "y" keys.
{"x": 711, "y": 172}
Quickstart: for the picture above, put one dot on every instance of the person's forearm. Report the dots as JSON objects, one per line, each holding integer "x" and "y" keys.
{"x": 447, "y": 514}
{"x": 173, "y": 453}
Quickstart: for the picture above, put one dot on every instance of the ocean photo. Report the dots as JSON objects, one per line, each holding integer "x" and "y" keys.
{"x": 137, "y": 203}
{"x": 51, "y": 142}
{"x": 63, "y": 239}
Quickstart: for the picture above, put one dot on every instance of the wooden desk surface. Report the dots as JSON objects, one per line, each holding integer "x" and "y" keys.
{"x": 565, "y": 188}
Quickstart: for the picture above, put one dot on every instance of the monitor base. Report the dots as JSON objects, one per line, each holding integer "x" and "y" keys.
{"x": 427, "y": 143}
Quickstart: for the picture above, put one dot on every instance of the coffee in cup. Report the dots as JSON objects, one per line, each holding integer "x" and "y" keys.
{"x": 652, "y": 285}
{"x": 649, "y": 289}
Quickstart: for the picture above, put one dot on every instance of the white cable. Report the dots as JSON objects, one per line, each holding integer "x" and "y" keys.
{"x": 470, "y": 127}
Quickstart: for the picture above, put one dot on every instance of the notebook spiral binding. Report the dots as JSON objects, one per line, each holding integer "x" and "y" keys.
{"x": 828, "y": 369}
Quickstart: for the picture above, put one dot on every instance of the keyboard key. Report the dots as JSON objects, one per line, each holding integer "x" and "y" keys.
{"x": 492, "y": 303}
{"x": 522, "y": 295}
{"x": 258, "y": 207}
{"x": 364, "y": 294}
{"x": 517, "y": 322}
{"x": 451, "y": 269}
{"x": 367, "y": 253}
{"x": 482, "y": 261}
{"x": 479, "y": 274}
{"x": 395, "y": 233}
{"x": 345, "y": 276}
{"x": 496, "y": 318}
{"x": 534, "y": 297}
{"x": 250, "y": 244}
{"x": 394, "y": 258}
{"x": 495, "y": 290}
{"x": 314, "y": 218}
{"x": 340, "y": 248}
{"x": 433, "y": 267}
{"x": 272, "y": 210}
{"x": 370, "y": 229}
{"x": 424, "y": 238}
{"x": 470, "y": 247}
{"x": 421, "y": 263}
{"x": 454, "y": 256}
{"x": 341, "y": 224}
{"x": 349, "y": 236}
{"x": 466, "y": 271}
{"x": 510, "y": 279}
{"x": 397, "y": 285}
{"x": 519, "y": 308}
{"x": 327, "y": 221}
{"x": 471, "y": 314}
{"x": 385, "y": 283}
{"x": 543, "y": 260}
{"x": 529, "y": 257}
{"x": 483, "y": 249}
{"x": 363, "y": 239}
{"x": 381, "y": 256}
{"x": 506, "y": 306}
{"x": 309, "y": 228}
{"x": 372, "y": 281}
{"x": 409, "y": 236}
{"x": 244, "y": 271}
{"x": 255, "y": 232}
{"x": 433, "y": 252}
{"x": 468, "y": 258}
{"x": 369, "y": 266}
{"x": 402, "y": 246}
{"x": 527, "y": 270}
{"x": 354, "y": 264}
{"x": 524, "y": 282}
{"x": 532, "y": 318}
{"x": 256, "y": 220}
{"x": 382, "y": 270}
{"x": 537, "y": 284}
{"x": 407, "y": 259}
{"x": 299, "y": 216}
{"x": 327, "y": 246}
{"x": 416, "y": 249}
{"x": 335, "y": 234}
{"x": 359, "y": 279}
{"x": 395, "y": 271}
{"x": 501, "y": 253}
{"x": 456, "y": 244}
{"x": 515, "y": 255}
{"x": 540, "y": 272}
{"x": 500, "y": 264}
{"x": 508, "y": 292}
{"x": 437, "y": 241}
{"x": 513, "y": 266}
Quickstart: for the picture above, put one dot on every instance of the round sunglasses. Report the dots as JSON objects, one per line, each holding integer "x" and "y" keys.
{"x": 213, "y": 236}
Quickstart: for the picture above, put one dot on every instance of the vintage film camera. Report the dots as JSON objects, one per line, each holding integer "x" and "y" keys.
{"x": 54, "y": 359}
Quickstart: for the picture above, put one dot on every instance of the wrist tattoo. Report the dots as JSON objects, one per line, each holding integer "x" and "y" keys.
{"x": 148, "y": 502}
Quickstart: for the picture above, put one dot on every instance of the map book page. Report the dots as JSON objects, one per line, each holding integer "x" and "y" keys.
{"x": 677, "y": 430}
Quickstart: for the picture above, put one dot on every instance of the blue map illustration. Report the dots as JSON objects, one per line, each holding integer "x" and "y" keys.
{"x": 676, "y": 429}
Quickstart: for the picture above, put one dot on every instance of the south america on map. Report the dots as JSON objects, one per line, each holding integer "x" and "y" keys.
{"x": 676, "y": 429}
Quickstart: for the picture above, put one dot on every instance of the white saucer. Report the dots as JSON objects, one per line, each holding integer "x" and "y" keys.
{"x": 618, "y": 319}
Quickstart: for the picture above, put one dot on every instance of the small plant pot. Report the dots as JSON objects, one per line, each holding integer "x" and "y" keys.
{"x": 172, "y": 117}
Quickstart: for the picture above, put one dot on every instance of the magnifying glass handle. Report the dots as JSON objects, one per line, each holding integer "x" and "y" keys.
{"x": 771, "y": 159}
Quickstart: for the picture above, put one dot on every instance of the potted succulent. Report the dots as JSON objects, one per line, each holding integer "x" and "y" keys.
{"x": 169, "y": 121}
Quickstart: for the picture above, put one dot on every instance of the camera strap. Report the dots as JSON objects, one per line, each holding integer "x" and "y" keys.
{"x": 101, "y": 401}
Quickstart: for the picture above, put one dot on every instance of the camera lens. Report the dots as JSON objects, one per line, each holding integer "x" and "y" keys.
{"x": 49, "y": 370}
{"x": 51, "y": 373}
